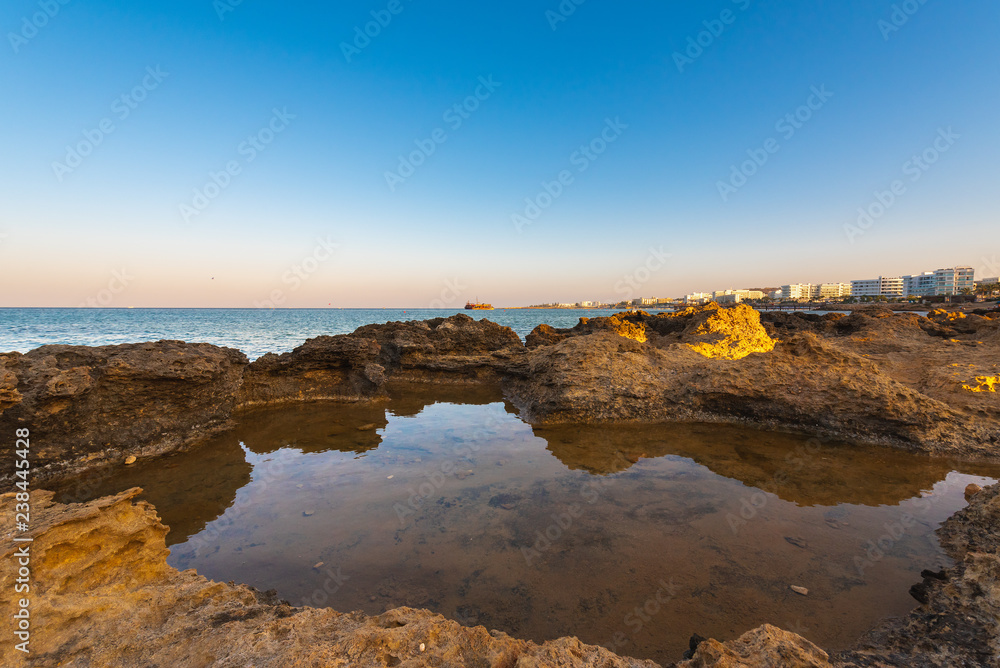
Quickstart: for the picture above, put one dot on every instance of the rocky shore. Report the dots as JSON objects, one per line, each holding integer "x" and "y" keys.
{"x": 105, "y": 596}
{"x": 926, "y": 384}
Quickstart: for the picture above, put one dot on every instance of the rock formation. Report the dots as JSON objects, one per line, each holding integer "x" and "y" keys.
{"x": 88, "y": 407}
{"x": 872, "y": 376}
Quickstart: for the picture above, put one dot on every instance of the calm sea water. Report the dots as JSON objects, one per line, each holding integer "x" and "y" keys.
{"x": 254, "y": 331}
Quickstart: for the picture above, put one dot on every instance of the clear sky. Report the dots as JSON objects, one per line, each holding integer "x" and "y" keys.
{"x": 345, "y": 175}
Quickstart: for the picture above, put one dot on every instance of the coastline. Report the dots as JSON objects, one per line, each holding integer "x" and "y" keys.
{"x": 873, "y": 376}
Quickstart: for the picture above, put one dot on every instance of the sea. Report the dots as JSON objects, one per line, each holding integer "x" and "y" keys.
{"x": 254, "y": 331}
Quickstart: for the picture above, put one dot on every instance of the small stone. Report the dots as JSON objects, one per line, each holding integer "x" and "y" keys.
{"x": 300, "y": 486}
{"x": 318, "y": 565}
{"x": 422, "y": 647}
{"x": 388, "y": 477}
{"x": 800, "y": 590}
{"x": 367, "y": 427}
{"x": 131, "y": 460}
{"x": 308, "y": 513}
{"x": 797, "y": 542}
{"x": 970, "y": 491}
{"x": 371, "y": 598}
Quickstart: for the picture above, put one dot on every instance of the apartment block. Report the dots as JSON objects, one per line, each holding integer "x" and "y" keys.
{"x": 878, "y": 287}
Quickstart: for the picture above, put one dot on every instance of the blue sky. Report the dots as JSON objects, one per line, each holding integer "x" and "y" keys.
{"x": 313, "y": 218}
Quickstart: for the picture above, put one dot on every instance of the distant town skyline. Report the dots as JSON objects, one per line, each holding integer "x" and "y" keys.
{"x": 304, "y": 155}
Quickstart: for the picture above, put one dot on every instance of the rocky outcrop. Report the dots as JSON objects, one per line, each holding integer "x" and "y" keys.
{"x": 103, "y": 595}
{"x": 764, "y": 647}
{"x": 872, "y": 376}
{"x": 458, "y": 349}
{"x": 355, "y": 367}
{"x": 927, "y": 384}
{"x": 338, "y": 368}
{"x": 88, "y": 407}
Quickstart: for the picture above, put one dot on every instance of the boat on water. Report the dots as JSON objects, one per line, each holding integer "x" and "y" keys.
{"x": 478, "y": 306}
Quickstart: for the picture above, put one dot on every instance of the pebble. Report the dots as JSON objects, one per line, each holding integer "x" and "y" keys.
{"x": 970, "y": 491}
{"x": 800, "y": 590}
{"x": 308, "y": 513}
{"x": 388, "y": 477}
{"x": 130, "y": 459}
{"x": 318, "y": 566}
{"x": 422, "y": 647}
{"x": 367, "y": 427}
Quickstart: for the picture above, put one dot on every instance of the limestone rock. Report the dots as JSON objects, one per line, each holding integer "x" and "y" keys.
{"x": 88, "y": 407}
{"x": 764, "y": 647}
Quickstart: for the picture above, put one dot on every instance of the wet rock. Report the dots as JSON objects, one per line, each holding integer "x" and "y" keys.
{"x": 131, "y": 459}
{"x": 340, "y": 368}
{"x": 797, "y": 542}
{"x": 802, "y": 591}
{"x": 92, "y": 407}
{"x": 971, "y": 490}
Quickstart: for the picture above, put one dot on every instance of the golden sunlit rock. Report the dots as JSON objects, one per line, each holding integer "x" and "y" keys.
{"x": 983, "y": 384}
{"x": 727, "y": 333}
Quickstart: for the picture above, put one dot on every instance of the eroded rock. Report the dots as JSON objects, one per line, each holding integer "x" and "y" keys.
{"x": 89, "y": 407}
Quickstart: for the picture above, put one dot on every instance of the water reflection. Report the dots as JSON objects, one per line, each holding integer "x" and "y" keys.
{"x": 446, "y": 500}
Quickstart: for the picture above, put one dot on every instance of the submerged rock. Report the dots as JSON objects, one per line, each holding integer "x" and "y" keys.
{"x": 104, "y": 596}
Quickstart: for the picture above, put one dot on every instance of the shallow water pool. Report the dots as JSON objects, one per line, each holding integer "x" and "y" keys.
{"x": 632, "y": 537}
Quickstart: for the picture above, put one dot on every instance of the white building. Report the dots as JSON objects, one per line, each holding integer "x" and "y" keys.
{"x": 698, "y": 298}
{"x": 950, "y": 281}
{"x": 919, "y": 285}
{"x": 831, "y": 290}
{"x": 797, "y": 291}
{"x": 878, "y": 287}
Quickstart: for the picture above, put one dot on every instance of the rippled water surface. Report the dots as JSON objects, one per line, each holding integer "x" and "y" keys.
{"x": 254, "y": 331}
{"x": 631, "y": 537}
